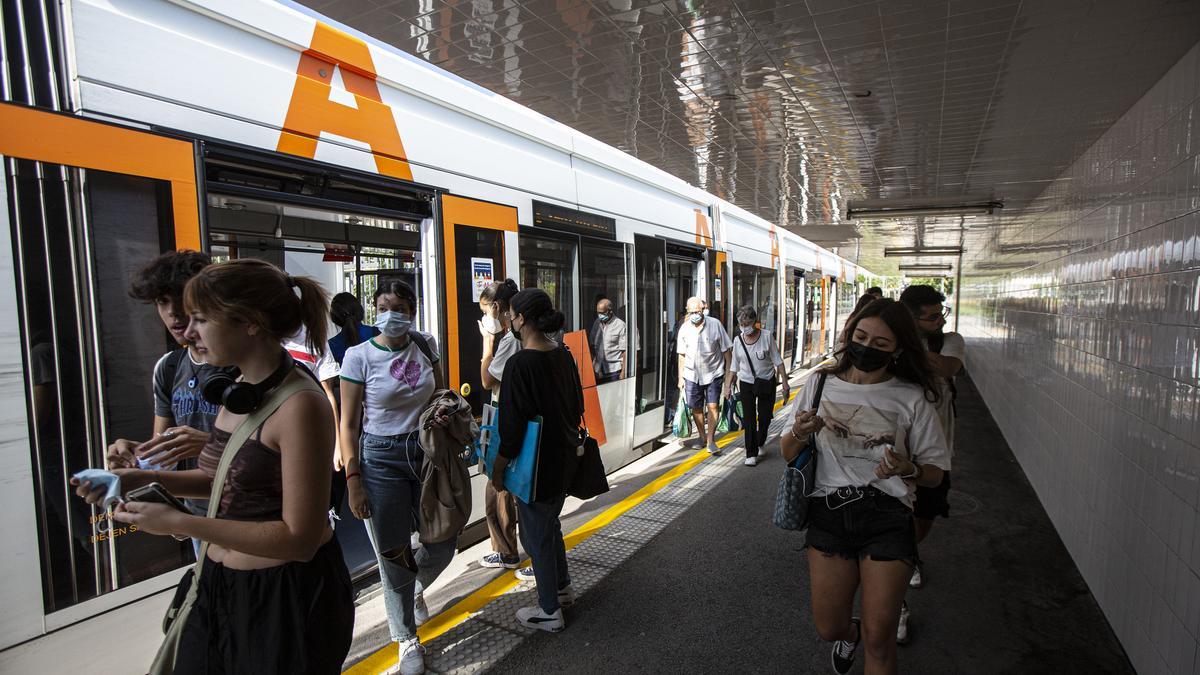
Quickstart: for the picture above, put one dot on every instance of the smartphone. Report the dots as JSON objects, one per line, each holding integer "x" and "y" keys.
{"x": 157, "y": 494}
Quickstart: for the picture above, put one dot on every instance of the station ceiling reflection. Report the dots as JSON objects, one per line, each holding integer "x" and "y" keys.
{"x": 793, "y": 108}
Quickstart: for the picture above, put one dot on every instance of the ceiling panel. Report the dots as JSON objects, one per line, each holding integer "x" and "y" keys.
{"x": 846, "y": 99}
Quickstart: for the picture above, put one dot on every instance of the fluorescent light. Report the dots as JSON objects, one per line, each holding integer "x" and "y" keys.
{"x": 972, "y": 209}
{"x": 928, "y": 250}
{"x": 925, "y": 268}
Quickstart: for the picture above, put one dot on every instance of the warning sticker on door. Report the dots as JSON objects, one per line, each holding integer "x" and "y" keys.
{"x": 482, "y": 274}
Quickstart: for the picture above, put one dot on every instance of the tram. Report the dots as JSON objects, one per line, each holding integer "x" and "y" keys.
{"x": 248, "y": 128}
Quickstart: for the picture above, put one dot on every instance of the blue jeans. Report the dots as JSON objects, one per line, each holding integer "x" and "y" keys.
{"x": 541, "y": 535}
{"x": 391, "y": 476}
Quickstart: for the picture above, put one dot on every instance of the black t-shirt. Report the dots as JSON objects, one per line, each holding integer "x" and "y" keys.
{"x": 547, "y": 384}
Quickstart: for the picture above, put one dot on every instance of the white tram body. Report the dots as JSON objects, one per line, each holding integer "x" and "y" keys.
{"x": 176, "y": 118}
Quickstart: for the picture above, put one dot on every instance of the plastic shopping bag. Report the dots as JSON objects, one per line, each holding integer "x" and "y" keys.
{"x": 731, "y": 416}
{"x": 682, "y": 428}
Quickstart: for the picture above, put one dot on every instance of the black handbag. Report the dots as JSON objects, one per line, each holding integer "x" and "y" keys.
{"x": 761, "y": 386}
{"x": 799, "y": 479}
{"x": 589, "y": 478}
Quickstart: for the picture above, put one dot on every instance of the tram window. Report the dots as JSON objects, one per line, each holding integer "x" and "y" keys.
{"x": 766, "y": 297}
{"x": 649, "y": 256}
{"x": 88, "y": 378}
{"x": 603, "y": 276}
{"x": 549, "y": 264}
{"x": 789, "y": 318}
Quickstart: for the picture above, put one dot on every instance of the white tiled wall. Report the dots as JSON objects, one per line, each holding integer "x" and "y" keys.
{"x": 1087, "y": 358}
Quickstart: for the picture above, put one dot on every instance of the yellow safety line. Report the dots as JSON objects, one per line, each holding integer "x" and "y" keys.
{"x": 386, "y": 657}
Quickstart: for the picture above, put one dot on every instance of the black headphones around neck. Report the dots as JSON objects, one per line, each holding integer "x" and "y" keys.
{"x": 243, "y": 398}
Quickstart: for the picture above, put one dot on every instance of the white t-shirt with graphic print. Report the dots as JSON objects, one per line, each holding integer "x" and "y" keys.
{"x": 396, "y": 384}
{"x": 861, "y": 421}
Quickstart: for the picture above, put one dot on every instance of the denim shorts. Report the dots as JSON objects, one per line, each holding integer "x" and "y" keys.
{"x": 696, "y": 395}
{"x": 932, "y": 502}
{"x": 876, "y": 526}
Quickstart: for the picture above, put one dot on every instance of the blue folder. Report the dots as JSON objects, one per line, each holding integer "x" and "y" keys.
{"x": 520, "y": 477}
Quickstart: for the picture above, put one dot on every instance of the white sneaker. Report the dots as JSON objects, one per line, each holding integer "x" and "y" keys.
{"x": 534, "y": 617}
{"x": 713, "y": 449}
{"x": 412, "y": 657}
{"x": 566, "y": 596}
{"x": 916, "y": 581}
{"x": 525, "y": 574}
{"x": 420, "y": 609}
{"x": 902, "y": 627}
{"x": 751, "y": 461}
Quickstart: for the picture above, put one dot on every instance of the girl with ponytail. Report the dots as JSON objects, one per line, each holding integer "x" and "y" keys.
{"x": 270, "y": 563}
{"x": 541, "y": 380}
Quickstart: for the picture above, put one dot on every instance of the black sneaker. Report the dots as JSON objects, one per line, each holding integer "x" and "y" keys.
{"x": 843, "y": 651}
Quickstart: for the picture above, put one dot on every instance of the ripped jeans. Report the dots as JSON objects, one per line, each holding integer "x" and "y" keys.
{"x": 391, "y": 476}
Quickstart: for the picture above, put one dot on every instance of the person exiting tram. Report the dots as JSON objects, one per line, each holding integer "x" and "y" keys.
{"x": 541, "y": 380}
{"x": 757, "y": 366}
{"x": 272, "y": 594}
{"x": 704, "y": 352}
{"x": 608, "y": 342}
{"x": 392, "y": 378}
{"x": 499, "y": 343}
{"x": 946, "y": 354}
{"x": 877, "y": 438}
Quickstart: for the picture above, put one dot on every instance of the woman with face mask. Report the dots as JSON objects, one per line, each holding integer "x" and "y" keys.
{"x": 541, "y": 380}
{"x": 758, "y": 368}
{"x": 392, "y": 377}
{"x": 878, "y": 437}
{"x": 499, "y": 344}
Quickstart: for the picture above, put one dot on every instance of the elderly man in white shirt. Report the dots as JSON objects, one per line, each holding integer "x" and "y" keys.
{"x": 705, "y": 351}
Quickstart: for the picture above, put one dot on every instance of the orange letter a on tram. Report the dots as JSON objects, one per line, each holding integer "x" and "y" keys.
{"x": 311, "y": 111}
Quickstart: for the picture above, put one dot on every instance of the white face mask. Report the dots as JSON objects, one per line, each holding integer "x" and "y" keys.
{"x": 747, "y": 330}
{"x": 491, "y": 324}
{"x": 393, "y": 324}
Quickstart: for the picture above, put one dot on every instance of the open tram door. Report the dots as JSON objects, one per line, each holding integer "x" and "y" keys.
{"x": 794, "y": 317}
{"x": 350, "y": 231}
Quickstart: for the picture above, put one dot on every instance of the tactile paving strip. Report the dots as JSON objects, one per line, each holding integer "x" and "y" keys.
{"x": 663, "y": 512}
{"x": 604, "y": 550}
{"x": 471, "y": 647}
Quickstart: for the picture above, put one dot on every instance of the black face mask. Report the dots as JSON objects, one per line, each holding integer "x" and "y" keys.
{"x": 868, "y": 359}
{"x": 513, "y": 327}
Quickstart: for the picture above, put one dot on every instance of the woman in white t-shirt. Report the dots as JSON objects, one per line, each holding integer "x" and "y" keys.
{"x": 758, "y": 368}
{"x": 500, "y": 509}
{"x": 878, "y": 437}
{"x": 392, "y": 377}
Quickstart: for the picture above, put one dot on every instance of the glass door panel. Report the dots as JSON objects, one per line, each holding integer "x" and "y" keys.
{"x": 549, "y": 264}
{"x": 649, "y": 263}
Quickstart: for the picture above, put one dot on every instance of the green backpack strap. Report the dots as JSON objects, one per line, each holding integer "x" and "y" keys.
{"x": 164, "y": 660}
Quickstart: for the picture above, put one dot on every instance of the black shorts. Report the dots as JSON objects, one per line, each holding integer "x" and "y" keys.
{"x": 931, "y": 502}
{"x": 877, "y": 526}
{"x": 294, "y": 618}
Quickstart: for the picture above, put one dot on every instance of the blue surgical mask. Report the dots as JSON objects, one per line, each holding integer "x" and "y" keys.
{"x": 604, "y": 316}
{"x": 697, "y": 319}
{"x": 99, "y": 477}
{"x": 393, "y": 324}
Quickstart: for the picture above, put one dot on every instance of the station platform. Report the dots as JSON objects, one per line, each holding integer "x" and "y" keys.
{"x": 679, "y": 569}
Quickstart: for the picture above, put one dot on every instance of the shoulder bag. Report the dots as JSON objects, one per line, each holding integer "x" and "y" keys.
{"x": 799, "y": 478}
{"x": 761, "y": 386}
{"x": 189, "y": 586}
{"x": 590, "y": 478}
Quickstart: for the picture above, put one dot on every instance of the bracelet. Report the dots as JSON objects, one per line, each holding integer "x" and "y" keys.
{"x": 353, "y": 474}
{"x": 916, "y": 474}
{"x": 798, "y": 438}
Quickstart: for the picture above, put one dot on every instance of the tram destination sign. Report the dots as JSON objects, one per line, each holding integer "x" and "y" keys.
{"x": 554, "y": 217}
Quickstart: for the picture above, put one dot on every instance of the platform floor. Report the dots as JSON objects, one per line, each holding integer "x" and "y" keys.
{"x": 692, "y": 577}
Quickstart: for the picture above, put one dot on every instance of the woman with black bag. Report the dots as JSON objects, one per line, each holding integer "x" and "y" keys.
{"x": 758, "y": 367}
{"x": 542, "y": 381}
{"x": 877, "y": 437}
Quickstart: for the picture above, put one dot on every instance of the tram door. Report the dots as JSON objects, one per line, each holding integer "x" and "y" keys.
{"x": 794, "y": 317}
{"x": 813, "y": 311}
{"x": 650, "y": 332}
{"x": 683, "y": 281}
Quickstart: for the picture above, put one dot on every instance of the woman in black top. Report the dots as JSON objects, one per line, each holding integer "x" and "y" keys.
{"x": 541, "y": 380}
